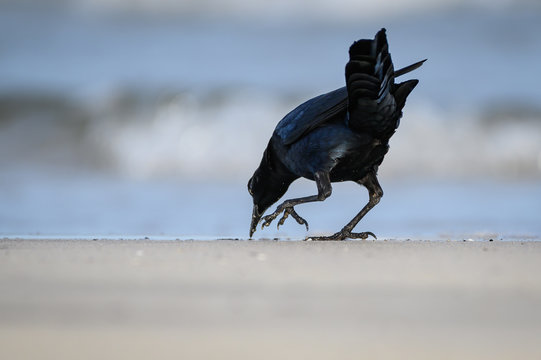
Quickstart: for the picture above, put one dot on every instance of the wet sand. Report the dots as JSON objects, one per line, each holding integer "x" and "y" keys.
{"x": 105, "y": 299}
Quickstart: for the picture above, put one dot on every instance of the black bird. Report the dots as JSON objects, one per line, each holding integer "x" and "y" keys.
{"x": 339, "y": 136}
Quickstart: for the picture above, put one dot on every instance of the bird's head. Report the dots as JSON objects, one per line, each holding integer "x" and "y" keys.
{"x": 262, "y": 196}
{"x": 266, "y": 187}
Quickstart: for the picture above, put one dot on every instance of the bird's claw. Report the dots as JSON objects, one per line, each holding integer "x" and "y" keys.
{"x": 342, "y": 235}
{"x": 267, "y": 220}
{"x": 287, "y": 211}
{"x": 363, "y": 235}
{"x": 290, "y": 211}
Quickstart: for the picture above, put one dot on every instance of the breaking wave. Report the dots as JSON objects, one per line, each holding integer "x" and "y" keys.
{"x": 222, "y": 133}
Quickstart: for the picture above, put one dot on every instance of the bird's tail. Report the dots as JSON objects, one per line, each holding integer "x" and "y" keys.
{"x": 370, "y": 83}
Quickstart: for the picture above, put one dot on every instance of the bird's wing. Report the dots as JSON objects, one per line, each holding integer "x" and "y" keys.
{"x": 312, "y": 114}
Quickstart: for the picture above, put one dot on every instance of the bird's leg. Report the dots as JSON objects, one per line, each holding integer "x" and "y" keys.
{"x": 324, "y": 190}
{"x": 375, "y": 192}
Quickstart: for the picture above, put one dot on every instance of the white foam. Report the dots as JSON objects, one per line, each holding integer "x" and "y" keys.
{"x": 226, "y": 140}
{"x": 191, "y": 136}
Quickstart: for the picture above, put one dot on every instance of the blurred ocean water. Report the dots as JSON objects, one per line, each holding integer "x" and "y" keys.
{"x": 148, "y": 119}
{"x": 92, "y": 206}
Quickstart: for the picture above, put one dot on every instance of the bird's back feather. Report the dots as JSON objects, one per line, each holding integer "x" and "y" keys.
{"x": 312, "y": 114}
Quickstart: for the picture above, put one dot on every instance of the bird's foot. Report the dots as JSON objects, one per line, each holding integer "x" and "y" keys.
{"x": 342, "y": 235}
{"x": 288, "y": 210}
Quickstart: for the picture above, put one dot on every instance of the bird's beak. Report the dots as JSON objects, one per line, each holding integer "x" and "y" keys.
{"x": 256, "y": 216}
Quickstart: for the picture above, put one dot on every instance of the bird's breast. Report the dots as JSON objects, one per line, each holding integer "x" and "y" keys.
{"x": 357, "y": 164}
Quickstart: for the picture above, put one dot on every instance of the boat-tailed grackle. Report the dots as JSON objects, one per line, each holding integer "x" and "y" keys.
{"x": 342, "y": 135}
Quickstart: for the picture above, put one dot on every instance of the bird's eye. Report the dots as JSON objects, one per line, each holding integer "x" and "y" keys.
{"x": 250, "y": 187}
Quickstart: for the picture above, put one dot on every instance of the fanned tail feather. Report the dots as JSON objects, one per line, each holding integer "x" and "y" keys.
{"x": 408, "y": 68}
{"x": 369, "y": 80}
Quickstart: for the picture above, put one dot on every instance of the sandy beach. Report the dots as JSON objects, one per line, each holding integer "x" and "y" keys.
{"x": 226, "y": 299}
